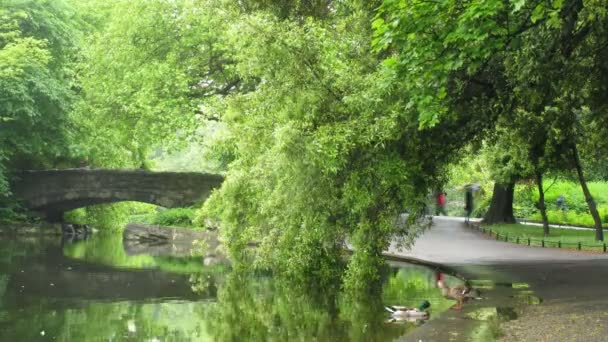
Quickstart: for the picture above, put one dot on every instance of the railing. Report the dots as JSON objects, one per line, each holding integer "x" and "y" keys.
{"x": 541, "y": 242}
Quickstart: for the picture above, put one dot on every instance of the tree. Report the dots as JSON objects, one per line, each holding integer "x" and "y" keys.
{"x": 555, "y": 78}
{"x": 536, "y": 56}
{"x": 507, "y": 160}
{"x": 150, "y": 75}
{"x": 327, "y": 149}
{"x": 36, "y": 49}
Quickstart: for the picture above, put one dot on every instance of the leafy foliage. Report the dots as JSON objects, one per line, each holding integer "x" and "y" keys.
{"x": 145, "y": 76}
{"x": 324, "y": 149}
{"x": 36, "y": 48}
{"x": 336, "y": 116}
{"x": 108, "y": 217}
{"x": 181, "y": 217}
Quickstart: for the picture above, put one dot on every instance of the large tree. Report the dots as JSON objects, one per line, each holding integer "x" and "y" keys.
{"x": 327, "y": 149}
{"x": 36, "y": 51}
{"x": 151, "y": 73}
{"x": 532, "y": 56}
{"x": 558, "y": 76}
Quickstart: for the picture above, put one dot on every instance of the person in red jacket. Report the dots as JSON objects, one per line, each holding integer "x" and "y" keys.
{"x": 440, "y": 203}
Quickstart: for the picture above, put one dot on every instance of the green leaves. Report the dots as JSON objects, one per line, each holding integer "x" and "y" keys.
{"x": 433, "y": 43}
{"x": 35, "y": 94}
{"x": 147, "y": 74}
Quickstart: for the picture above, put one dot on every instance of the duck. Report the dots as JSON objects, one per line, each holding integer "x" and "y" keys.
{"x": 459, "y": 293}
{"x": 404, "y": 313}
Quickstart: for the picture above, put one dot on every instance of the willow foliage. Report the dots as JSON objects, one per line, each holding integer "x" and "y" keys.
{"x": 325, "y": 151}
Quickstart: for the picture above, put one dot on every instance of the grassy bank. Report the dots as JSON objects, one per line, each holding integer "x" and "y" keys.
{"x": 561, "y": 238}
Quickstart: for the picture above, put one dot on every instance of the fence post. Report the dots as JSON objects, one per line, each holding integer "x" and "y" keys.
{"x": 559, "y": 244}
{"x": 528, "y": 241}
{"x": 542, "y": 241}
{"x": 604, "y": 247}
{"x": 579, "y": 245}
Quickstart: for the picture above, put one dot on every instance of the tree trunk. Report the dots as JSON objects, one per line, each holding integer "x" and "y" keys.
{"x": 541, "y": 202}
{"x": 599, "y": 233}
{"x": 501, "y": 207}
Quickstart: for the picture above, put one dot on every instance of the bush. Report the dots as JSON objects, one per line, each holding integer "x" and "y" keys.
{"x": 481, "y": 209}
{"x": 111, "y": 217}
{"x": 175, "y": 217}
{"x": 14, "y": 215}
{"x": 78, "y": 216}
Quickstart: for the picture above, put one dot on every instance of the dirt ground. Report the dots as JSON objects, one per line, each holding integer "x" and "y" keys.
{"x": 559, "y": 322}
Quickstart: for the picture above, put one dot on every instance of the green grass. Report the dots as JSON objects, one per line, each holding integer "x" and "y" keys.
{"x": 526, "y": 197}
{"x": 525, "y": 202}
{"x": 571, "y": 217}
{"x": 174, "y": 217}
{"x": 569, "y": 238}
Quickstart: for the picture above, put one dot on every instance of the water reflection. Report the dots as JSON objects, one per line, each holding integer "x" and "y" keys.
{"x": 94, "y": 291}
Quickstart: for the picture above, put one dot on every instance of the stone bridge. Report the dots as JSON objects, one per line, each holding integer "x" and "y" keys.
{"x": 52, "y": 192}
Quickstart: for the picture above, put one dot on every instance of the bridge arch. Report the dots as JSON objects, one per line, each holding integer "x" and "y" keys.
{"x": 52, "y": 192}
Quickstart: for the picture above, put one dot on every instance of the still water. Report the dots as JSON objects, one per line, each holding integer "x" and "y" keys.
{"x": 95, "y": 291}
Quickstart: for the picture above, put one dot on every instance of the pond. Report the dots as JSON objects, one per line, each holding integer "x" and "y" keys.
{"x": 94, "y": 291}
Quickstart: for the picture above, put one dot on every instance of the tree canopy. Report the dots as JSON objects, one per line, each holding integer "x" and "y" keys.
{"x": 36, "y": 49}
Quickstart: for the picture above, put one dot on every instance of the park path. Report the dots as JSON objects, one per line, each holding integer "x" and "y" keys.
{"x": 573, "y": 285}
{"x": 451, "y": 242}
{"x": 556, "y": 273}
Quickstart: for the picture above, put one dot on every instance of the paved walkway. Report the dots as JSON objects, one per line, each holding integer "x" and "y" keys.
{"x": 451, "y": 242}
{"x": 572, "y": 284}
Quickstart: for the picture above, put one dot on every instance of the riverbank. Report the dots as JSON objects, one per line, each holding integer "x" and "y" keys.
{"x": 42, "y": 228}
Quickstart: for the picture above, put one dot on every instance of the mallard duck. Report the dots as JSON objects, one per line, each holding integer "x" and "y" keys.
{"x": 460, "y": 293}
{"x": 404, "y": 313}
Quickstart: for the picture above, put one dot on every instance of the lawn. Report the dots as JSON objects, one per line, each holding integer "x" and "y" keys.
{"x": 526, "y": 198}
{"x": 558, "y": 237}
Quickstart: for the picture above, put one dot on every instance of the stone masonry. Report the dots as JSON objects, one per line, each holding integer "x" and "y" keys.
{"x": 53, "y": 192}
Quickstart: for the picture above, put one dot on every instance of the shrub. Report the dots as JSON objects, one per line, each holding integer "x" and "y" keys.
{"x": 105, "y": 217}
{"x": 483, "y": 206}
{"x": 175, "y": 217}
{"x": 12, "y": 215}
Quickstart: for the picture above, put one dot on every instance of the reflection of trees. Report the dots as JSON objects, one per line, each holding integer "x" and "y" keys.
{"x": 12, "y": 251}
{"x": 107, "y": 249}
{"x": 249, "y": 307}
{"x": 118, "y": 321}
{"x": 260, "y": 308}
{"x": 411, "y": 285}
